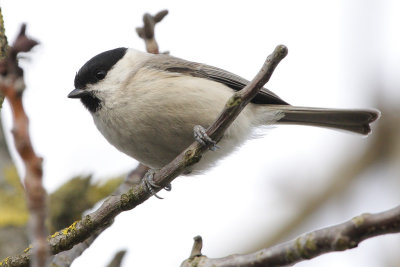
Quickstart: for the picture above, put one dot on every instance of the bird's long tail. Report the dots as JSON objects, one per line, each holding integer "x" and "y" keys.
{"x": 353, "y": 120}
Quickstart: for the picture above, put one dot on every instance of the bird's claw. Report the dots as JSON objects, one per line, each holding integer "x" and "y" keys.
{"x": 201, "y": 136}
{"x": 151, "y": 186}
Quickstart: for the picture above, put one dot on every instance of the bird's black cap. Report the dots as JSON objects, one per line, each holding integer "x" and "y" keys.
{"x": 97, "y": 67}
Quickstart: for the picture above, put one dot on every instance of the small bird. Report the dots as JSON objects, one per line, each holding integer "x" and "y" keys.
{"x": 147, "y": 105}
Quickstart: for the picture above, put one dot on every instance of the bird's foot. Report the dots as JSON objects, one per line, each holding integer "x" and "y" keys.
{"x": 151, "y": 186}
{"x": 201, "y": 136}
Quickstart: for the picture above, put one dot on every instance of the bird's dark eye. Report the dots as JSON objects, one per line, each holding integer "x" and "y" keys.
{"x": 100, "y": 74}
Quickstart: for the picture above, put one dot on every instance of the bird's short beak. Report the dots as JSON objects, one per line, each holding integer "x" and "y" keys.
{"x": 78, "y": 93}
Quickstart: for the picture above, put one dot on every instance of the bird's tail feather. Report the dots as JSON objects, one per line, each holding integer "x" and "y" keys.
{"x": 353, "y": 120}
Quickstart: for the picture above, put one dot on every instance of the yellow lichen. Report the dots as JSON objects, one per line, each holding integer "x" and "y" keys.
{"x": 28, "y": 248}
{"x": 6, "y": 261}
{"x": 235, "y": 100}
{"x": 54, "y": 235}
{"x": 358, "y": 221}
{"x": 70, "y": 229}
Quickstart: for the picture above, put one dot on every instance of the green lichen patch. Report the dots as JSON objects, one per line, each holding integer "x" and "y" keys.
{"x": 234, "y": 101}
{"x": 358, "y": 221}
{"x": 192, "y": 157}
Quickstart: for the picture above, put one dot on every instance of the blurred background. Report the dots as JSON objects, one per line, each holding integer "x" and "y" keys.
{"x": 289, "y": 181}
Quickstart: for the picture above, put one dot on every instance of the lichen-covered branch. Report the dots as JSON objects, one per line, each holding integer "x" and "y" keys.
{"x": 137, "y": 194}
{"x": 307, "y": 246}
{"x": 65, "y": 258}
{"x": 12, "y": 86}
{"x": 232, "y": 109}
{"x": 146, "y": 32}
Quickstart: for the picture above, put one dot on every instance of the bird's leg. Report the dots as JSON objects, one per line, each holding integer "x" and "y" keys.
{"x": 150, "y": 185}
{"x": 201, "y": 136}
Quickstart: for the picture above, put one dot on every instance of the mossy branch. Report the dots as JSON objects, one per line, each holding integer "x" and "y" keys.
{"x": 307, "y": 246}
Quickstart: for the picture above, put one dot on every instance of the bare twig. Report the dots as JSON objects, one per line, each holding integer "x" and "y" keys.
{"x": 3, "y": 48}
{"x": 307, "y": 246}
{"x": 5, "y": 158}
{"x": 12, "y": 86}
{"x": 146, "y": 32}
{"x": 112, "y": 206}
{"x": 117, "y": 260}
{"x": 197, "y": 246}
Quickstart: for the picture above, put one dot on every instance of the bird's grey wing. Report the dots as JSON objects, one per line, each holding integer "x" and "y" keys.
{"x": 173, "y": 64}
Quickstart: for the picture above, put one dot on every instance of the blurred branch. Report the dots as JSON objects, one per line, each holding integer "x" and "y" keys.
{"x": 13, "y": 210}
{"x": 307, "y": 246}
{"x": 12, "y": 86}
{"x": 146, "y": 32}
{"x": 3, "y": 47}
{"x": 5, "y": 158}
{"x": 115, "y": 204}
{"x": 117, "y": 260}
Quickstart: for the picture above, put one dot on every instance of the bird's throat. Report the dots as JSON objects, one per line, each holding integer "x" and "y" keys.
{"x": 91, "y": 102}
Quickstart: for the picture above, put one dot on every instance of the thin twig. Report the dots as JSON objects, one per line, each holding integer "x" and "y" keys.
{"x": 117, "y": 260}
{"x": 307, "y": 246}
{"x": 12, "y": 86}
{"x": 112, "y": 206}
{"x": 146, "y": 32}
{"x": 197, "y": 246}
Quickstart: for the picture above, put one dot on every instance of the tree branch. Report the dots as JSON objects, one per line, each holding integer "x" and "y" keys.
{"x": 307, "y": 246}
{"x": 112, "y": 206}
{"x": 146, "y": 32}
{"x": 12, "y": 86}
{"x": 117, "y": 260}
{"x": 65, "y": 258}
{"x": 3, "y": 47}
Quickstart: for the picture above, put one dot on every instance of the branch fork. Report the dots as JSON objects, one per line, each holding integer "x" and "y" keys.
{"x": 339, "y": 237}
{"x": 146, "y": 32}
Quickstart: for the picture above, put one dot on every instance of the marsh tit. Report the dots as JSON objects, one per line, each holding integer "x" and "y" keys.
{"x": 147, "y": 106}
